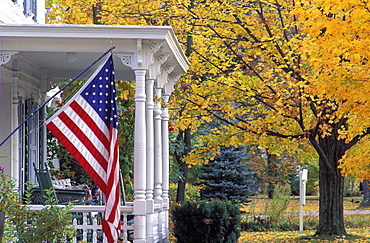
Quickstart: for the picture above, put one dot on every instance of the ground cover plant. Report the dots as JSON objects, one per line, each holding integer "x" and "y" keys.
{"x": 355, "y": 235}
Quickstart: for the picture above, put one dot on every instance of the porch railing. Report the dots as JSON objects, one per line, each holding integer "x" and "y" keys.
{"x": 88, "y": 227}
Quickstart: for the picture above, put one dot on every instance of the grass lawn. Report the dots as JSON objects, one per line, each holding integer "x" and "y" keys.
{"x": 312, "y": 204}
{"x": 357, "y": 226}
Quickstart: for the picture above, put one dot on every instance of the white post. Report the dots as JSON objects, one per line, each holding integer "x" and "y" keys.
{"x": 158, "y": 150}
{"x": 140, "y": 159}
{"x": 165, "y": 165}
{"x": 43, "y": 146}
{"x": 14, "y": 140}
{"x": 149, "y": 159}
{"x": 158, "y": 159}
{"x": 302, "y": 196}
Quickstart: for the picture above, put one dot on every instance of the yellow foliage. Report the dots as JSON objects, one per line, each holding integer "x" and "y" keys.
{"x": 280, "y": 74}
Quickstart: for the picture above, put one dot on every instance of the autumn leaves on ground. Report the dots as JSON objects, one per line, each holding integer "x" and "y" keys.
{"x": 356, "y": 224}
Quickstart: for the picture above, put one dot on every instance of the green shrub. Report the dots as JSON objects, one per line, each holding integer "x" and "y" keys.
{"x": 206, "y": 222}
{"x": 51, "y": 224}
{"x": 279, "y": 203}
{"x": 274, "y": 215}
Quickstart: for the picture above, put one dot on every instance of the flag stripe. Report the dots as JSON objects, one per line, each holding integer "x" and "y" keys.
{"x": 89, "y": 127}
{"x": 113, "y": 181}
{"x": 81, "y": 139}
{"x": 100, "y": 180}
{"x": 93, "y": 120}
{"x": 83, "y": 150}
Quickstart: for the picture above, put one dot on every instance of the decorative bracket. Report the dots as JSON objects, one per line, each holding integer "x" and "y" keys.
{"x": 158, "y": 59}
{"x": 173, "y": 77}
{"x": 127, "y": 58}
{"x": 155, "y": 46}
{"x": 6, "y": 56}
{"x": 168, "y": 68}
{"x": 163, "y": 76}
{"x": 169, "y": 86}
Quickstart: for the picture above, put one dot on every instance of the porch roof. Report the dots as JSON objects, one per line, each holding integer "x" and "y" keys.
{"x": 46, "y": 46}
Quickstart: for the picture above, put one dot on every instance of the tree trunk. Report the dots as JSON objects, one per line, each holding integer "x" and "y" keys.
{"x": 181, "y": 184}
{"x": 331, "y": 220}
{"x": 366, "y": 200}
{"x": 96, "y": 11}
{"x": 271, "y": 174}
{"x": 184, "y": 138}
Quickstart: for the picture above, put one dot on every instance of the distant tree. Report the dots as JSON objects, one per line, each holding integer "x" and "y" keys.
{"x": 366, "y": 199}
{"x": 227, "y": 177}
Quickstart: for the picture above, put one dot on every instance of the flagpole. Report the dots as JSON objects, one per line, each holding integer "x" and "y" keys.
{"x": 52, "y": 97}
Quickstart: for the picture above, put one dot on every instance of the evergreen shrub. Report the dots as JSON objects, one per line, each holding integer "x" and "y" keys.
{"x": 227, "y": 177}
{"x": 206, "y": 222}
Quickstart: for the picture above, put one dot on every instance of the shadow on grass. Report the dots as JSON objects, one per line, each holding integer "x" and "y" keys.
{"x": 358, "y": 235}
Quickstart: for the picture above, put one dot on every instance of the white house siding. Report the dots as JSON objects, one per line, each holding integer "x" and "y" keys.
{"x": 19, "y": 78}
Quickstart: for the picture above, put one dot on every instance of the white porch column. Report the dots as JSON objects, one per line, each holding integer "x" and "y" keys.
{"x": 45, "y": 87}
{"x": 165, "y": 164}
{"x": 158, "y": 149}
{"x": 149, "y": 88}
{"x": 140, "y": 158}
{"x": 158, "y": 162}
{"x": 14, "y": 157}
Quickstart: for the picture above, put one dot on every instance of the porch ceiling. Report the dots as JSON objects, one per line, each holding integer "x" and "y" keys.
{"x": 46, "y": 46}
{"x": 58, "y": 69}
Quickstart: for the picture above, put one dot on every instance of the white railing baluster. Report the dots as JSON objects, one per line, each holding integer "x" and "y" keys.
{"x": 84, "y": 223}
{"x": 74, "y": 224}
{"x": 95, "y": 232}
{"x": 163, "y": 221}
{"x": 124, "y": 227}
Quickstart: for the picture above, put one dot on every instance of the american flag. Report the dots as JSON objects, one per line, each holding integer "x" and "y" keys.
{"x": 87, "y": 125}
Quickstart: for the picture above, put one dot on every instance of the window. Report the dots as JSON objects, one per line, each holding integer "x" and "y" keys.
{"x": 30, "y": 8}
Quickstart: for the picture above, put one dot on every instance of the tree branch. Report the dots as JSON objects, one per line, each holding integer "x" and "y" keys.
{"x": 321, "y": 152}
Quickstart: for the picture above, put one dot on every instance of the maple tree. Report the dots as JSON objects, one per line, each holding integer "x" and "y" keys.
{"x": 286, "y": 75}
